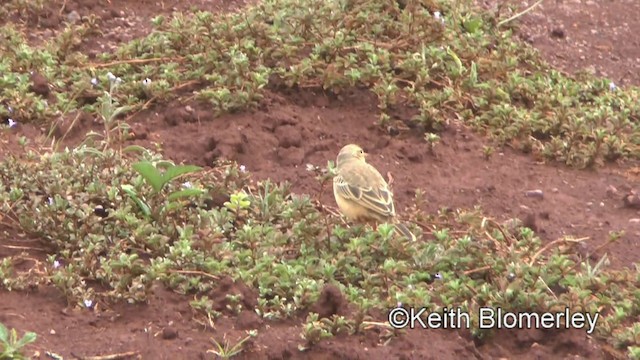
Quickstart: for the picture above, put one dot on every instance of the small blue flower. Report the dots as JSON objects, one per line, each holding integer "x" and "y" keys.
{"x": 50, "y": 200}
{"x": 56, "y": 264}
{"x": 612, "y": 86}
{"x": 438, "y": 276}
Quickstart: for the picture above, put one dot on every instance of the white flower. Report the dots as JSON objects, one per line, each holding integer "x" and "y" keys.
{"x": 94, "y": 81}
{"x": 111, "y": 77}
{"x": 612, "y": 86}
{"x": 56, "y": 264}
{"x": 187, "y": 185}
{"x": 243, "y": 168}
{"x": 12, "y": 123}
{"x": 118, "y": 81}
{"x": 50, "y": 199}
{"x": 10, "y": 109}
{"x": 146, "y": 82}
{"x": 88, "y": 303}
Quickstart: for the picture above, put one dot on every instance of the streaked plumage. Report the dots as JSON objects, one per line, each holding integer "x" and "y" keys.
{"x": 362, "y": 194}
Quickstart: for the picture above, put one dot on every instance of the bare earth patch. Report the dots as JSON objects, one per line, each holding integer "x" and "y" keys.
{"x": 596, "y": 36}
{"x": 293, "y": 130}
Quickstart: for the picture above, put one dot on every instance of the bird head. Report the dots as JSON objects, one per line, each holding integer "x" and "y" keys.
{"x": 350, "y": 152}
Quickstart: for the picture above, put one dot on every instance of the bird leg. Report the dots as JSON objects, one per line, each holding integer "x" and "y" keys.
{"x": 390, "y": 179}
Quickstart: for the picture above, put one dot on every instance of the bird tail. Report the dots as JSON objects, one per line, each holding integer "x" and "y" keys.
{"x": 403, "y": 230}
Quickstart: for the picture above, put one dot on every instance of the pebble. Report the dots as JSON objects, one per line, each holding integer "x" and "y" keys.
{"x": 611, "y": 191}
{"x": 558, "y": 33}
{"x": 632, "y": 200}
{"x": 535, "y": 193}
{"x": 169, "y": 333}
{"x": 73, "y": 17}
{"x": 634, "y": 221}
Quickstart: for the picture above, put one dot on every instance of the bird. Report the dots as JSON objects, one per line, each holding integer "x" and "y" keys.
{"x": 360, "y": 191}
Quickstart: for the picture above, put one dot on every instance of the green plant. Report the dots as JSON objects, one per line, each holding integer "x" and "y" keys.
{"x": 11, "y": 346}
{"x": 462, "y": 64}
{"x": 158, "y": 180}
{"x": 113, "y": 226}
{"x": 634, "y": 352}
{"x": 313, "y": 332}
{"x": 226, "y": 350}
{"x": 432, "y": 139}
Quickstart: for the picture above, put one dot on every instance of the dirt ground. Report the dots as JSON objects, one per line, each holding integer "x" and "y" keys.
{"x": 293, "y": 130}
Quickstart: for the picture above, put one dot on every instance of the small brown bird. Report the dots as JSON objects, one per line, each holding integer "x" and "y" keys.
{"x": 362, "y": 194}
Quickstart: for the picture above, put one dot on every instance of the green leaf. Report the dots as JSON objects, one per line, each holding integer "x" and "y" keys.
{"x": 174, "y": 172}
{"x": 164, "y": 164}
{"x": 473, "y": 76}
{"x": 4, "y": 333}
{"x": 120, "y": 110}
{"x": 93, "y": 151}
{"x": 456, "y": 59}
{"x": 472, "y": 25}
{"x": 132, "y": 193}
{"x": 150, "y": 174}
{"x": 134, "y": 148}
{"x": 28, "y": 338}
{"x": 185, "y": 193}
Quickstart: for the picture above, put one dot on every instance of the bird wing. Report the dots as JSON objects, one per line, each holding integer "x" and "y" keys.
{"x": 361, "y": 183}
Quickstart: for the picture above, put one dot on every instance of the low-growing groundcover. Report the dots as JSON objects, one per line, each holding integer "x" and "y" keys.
{"x": 105, "y": 224}
{"x": 113, "y": 229}
{"x": 436, "y": 61}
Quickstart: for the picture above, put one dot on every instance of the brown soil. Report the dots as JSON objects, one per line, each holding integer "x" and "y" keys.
{"x": 293, "y": 130}
{"x": 595, "y": 36}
